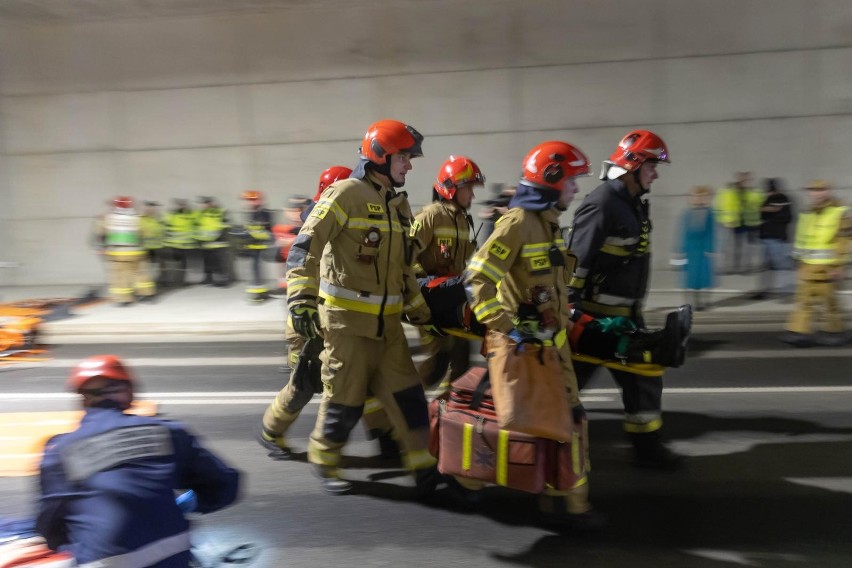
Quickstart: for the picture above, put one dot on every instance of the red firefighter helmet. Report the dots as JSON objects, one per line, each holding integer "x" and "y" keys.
{"x": 329, "y": 176}
{"x": 549, "y": 164}
{"x": 123, "y": 202}
{"x": 638, "y": 147}
{"x": 387, "y": 137}
{"x": 251, "y": 195}
{"x": 98, "y": 366}
{"x": 456, "y": 171}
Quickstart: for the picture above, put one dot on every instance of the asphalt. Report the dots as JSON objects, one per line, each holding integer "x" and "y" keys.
{"x": 202, "y": 313}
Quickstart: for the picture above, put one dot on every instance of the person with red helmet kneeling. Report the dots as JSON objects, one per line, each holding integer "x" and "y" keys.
{"x": 108, "y": 488}
{"x": 611, "y": 238}
{"x": 524, "y": 267}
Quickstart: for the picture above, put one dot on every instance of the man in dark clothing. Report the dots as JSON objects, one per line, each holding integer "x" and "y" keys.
{"x": 108, "y": 488}
{"x": 775, "y": 217}
{"x": 611, "y": 239}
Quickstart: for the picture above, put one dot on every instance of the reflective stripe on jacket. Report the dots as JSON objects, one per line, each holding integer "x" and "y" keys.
{"x": 122, "y": 234}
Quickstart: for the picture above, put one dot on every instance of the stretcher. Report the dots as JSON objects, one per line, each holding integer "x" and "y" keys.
{"x": 642, "y": 369}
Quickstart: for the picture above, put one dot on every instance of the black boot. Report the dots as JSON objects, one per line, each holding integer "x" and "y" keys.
{"x": 649, "y": 452}
{"x": 667, "y": 346}
{"x": 274, "y": 444}
{"x": 554, "y": 513}
{"x": 426, "y": 480}
{"x": 331, "y": 481}
{"x": 388, "y": 448}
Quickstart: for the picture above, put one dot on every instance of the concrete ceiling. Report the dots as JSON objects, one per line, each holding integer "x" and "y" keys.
{"x": 64, "y": 11}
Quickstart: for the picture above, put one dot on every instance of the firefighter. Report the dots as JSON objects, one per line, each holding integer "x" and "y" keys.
{"x": 108, "y": 488}
{"x": 444, "y": 241}
{"x": 523, "y": 268}
{"x": 179, "y": 241}
{"x": 127, "y": 264}
{"x": 355, "y": 299}
{"x": 611, "y": 239}
{"x": 285, "y": 233}
{"x": 822, "y": 247}
{"x": 211, "y": 234}
{"x": 152, "y": 239}
{"x": 259, "y": 228}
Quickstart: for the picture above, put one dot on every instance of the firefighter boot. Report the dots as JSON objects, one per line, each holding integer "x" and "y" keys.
{"x": 426, "y": 480}
{"x": 554, "y": 512}
{"x": 275, "y": 444}
{"x": 665, "y": 347}
{"x": 649, "y": 452}
{"x": 331, "y": 481}
{"x": 388, "y": 448}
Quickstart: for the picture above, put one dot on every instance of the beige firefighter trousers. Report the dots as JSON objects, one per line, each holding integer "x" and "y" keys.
{"x": 352, "y": 367}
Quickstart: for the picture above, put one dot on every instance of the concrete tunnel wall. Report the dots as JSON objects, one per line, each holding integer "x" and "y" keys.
{"x": 164, "y": 107}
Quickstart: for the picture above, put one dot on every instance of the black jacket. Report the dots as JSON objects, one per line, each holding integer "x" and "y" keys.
{"x": 773, "y": 224}
{"x": 611, "y": 239}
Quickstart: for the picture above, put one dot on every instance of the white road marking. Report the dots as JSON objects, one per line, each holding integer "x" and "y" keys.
{"x": 256, "y": 397}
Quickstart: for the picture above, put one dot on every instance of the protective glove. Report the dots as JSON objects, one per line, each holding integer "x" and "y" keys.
{"x": 617, "y": 324}
{"x": 187, "y": 501}
{"x": 434, "y": 329}
{"x": 305, "y": 320}
{"x": 519, "y": 338}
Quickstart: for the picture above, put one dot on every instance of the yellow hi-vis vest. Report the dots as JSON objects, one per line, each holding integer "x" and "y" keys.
{"x": 816, "y": 236}
{"x": 152, "y": 232}
{"x": 180, "y": 230}
{"x": 735, "y": 208}
{"x": 211, "y": 225}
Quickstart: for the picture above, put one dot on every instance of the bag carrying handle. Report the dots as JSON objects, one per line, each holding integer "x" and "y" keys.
{"x": 479, "y": 392}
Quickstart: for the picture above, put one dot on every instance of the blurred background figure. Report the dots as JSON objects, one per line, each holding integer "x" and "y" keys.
{"x": 737, "y": 209}
{"x": 775, "y": 217}
{"x": 494, "y": 208}
{"x": 821, "y": 249}
{"x": 258, "y": 226}
{"x": 696, "y": 246}
{"x": 285, "y": 233}
{"x": 179, "y": 242}
{"x": 211, "y": 232}
{"x": 152, "y": 239}
{"x": 127, "y": 262}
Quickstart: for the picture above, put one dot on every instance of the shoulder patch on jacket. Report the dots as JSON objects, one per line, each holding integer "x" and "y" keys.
{"x": 499, "y": 250}
{"x": 319, "y": 211}
{"x": 375, "y": 208}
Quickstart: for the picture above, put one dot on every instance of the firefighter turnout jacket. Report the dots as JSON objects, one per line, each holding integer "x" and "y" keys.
{"x": 524, "y": 261}
{"x": 823, "y": 236}
{"x": 611, "y": 240}
{"x": 443, "y": 239}
{"x": 365, "y": 273}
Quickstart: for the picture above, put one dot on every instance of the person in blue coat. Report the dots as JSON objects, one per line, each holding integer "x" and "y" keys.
{"x": 108, "y": 488}
{"x": 695, "y": 246}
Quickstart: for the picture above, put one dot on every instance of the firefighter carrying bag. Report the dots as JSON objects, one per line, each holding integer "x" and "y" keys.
{"x": 528, "y": 387}
{"x": 468, "y": 442}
